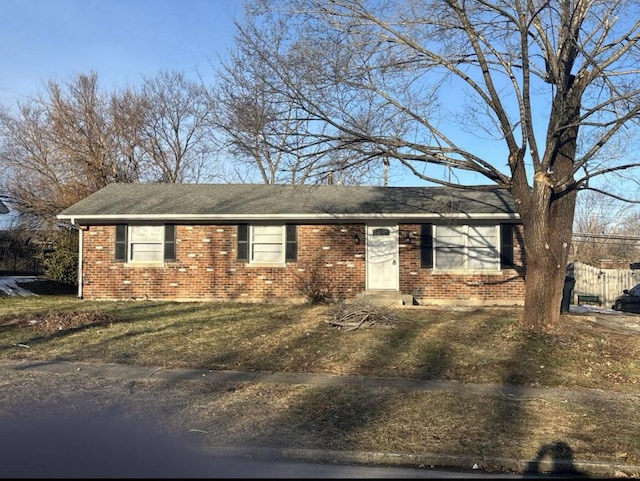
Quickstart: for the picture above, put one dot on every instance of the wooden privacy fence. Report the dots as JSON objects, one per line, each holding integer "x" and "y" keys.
{"x": 607, "y": 284}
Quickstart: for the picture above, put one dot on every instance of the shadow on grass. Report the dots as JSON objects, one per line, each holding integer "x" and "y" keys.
{"x": 558, "y": 455}
{"x": 339, "y": 418}
{"x": 553, "y": 459}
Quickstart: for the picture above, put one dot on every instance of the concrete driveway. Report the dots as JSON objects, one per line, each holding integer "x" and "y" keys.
{"x": 619, "y": 321}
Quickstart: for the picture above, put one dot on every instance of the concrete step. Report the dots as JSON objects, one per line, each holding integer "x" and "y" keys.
{"x": 387, "y": 298}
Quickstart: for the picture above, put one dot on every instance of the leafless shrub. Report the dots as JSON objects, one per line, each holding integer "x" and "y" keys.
{"x": 314, "y": 286}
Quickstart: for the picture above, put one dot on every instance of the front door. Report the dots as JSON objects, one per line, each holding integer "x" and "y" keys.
{"x": 382, "y": 257}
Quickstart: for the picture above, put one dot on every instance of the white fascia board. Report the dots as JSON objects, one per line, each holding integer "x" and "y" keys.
{"x": 283, "y": 217}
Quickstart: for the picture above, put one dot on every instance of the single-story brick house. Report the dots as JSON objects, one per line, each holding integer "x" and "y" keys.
{"x": 257, "y": 242}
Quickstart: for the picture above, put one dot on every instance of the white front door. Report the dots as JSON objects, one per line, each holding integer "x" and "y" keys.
{"x": 382, "y": 257}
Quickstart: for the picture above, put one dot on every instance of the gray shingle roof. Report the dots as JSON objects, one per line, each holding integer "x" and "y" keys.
{"x": 261, "y": 201}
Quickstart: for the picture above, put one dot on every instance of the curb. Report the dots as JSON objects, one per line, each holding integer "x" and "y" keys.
{"x": 437, "y": 461}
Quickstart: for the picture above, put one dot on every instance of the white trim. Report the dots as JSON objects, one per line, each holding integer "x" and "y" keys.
{"x": 283, "y": 245}
{"x": 274, "y": 217}
{"x": 158, "y": 243}
{"x": 80, "y": 260}
{"x": 137, "y": 264}
{"x": 249, "y": 265}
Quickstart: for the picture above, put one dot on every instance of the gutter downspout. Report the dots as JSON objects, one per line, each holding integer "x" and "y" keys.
{"x": 80, "y": 236}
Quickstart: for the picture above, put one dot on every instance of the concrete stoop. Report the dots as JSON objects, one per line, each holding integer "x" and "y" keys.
{"x": 387, "y": 298}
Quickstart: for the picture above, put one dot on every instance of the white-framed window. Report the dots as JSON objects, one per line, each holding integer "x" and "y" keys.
{"x": 145, "y": 243}
{"x": 467, "y": 248}
{"x": 267, "y": 244}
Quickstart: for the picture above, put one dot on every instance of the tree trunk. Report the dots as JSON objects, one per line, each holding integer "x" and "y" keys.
{"x": 547, "y": 217}
{"x": 547, "y": 234}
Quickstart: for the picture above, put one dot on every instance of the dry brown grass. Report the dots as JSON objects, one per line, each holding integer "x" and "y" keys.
{"x": 470, "y": 345}
{"x": 483, "y": 345}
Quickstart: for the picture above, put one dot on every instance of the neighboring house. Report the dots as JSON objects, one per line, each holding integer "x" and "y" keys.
{"x": 429, "y": 245}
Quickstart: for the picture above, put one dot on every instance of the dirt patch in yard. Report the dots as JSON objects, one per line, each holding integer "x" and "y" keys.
{"x": 62, "y": 321}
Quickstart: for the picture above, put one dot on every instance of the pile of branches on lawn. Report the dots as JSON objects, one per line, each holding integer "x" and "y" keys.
{"x": 362, "y": 313}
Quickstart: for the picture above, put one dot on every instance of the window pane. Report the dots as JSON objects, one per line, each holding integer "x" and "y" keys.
{"x": 267, "y": 238}
{"x": 147, "y": 233}
{"x": 449, "y": 236}
{"x": 267, "y": 243}
{"x": 146, "y": 252}
{"x": 146, "y": 243}
{"x": 483, "y": 247}
{"x": 449, "y": 258}
{"x": 267, "y": 231}
{"x": 483, "y": 259}
{"x": 482, "y": 236}
{"x": 267, "y": 253}
{"x": 449, "y": 248}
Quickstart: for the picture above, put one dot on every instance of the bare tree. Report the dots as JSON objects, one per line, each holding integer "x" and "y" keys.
{"x": 603, "y": 229}
{"x": 83, "y": 130}
{"x": 128, "y": 109}
{"x": 631, "y": 248}
{"x": 176, "y": 129}
{"x": 58, "y": 148}
{"x": 32, "y": 181}
{"x": 266, "y": 132}
{"x": 522, "y": 94}
{"x": 255, "y": 121}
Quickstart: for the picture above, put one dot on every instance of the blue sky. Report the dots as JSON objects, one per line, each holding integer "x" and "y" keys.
{"x": 121, "y": 40}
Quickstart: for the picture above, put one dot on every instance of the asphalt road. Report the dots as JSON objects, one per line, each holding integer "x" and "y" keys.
{"x": 107, "y": 446}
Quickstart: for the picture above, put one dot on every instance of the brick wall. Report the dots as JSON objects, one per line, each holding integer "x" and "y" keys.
{"x": 206, "y": 269}
{"x": 428, "y": 287}
{"x": 206, "y": 266}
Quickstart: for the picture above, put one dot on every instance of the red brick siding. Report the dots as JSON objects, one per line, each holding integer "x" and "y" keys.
{"x": 206, "y": 269}
{"x": 206, "y": 266}
{"x": 426, "y": 286}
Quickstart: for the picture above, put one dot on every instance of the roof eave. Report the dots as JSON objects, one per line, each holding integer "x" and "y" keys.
{"x": 120, "y": 218}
